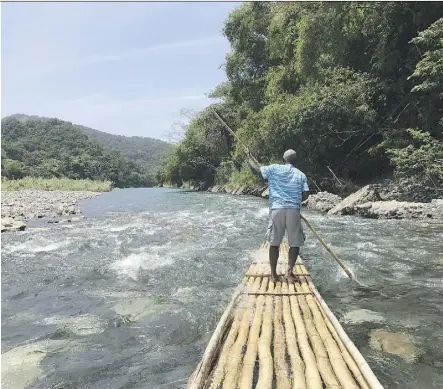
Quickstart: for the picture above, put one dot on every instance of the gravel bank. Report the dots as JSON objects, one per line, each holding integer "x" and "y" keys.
{"x": 24, "y": 205}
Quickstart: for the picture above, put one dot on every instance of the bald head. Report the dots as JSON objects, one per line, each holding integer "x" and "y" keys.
{"x": 289, "y": 156}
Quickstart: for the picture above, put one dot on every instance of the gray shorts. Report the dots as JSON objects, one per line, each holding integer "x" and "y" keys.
{"x": 285, "y": 219}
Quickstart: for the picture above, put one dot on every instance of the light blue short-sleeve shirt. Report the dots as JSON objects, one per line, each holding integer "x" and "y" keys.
{"x": 286, "y": 185}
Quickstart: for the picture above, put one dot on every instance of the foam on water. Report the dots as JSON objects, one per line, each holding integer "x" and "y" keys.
{"x": 131, "y": 265}
{"x": 34, "y": 246}
{"x": 262, "y": 213}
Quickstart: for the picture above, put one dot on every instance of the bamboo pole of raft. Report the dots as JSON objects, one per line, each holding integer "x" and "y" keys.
{"x": 220, "y": 370}
{"x": 202, "y": 371}
{"x": 339, "y": 366}
{"x": 345, "y": 353}
{"x": 364, "y": 376}
{"x": 266, "y": 370}
{"x": 235, "y": 355}
{"x": 298, "y": 367}
{"x": 323, "y": 363}
{"x": 363, "y": 366}
{"x": 280, "y": 365}
{"x": 249, "y": 359}
{"x": 312, "y": 375}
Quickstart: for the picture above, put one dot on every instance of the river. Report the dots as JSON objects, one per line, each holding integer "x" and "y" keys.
{"x": 129, "y": 296}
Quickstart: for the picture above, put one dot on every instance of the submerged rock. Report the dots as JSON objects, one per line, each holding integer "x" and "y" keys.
{"x": 398, "y": 344}
{"x": 361, "y": 316}
{"x": 132, "y": 310}
{"x": 82, "y": 325}
{"x": 21, "y": 366}
{"x": 322, "y": 201}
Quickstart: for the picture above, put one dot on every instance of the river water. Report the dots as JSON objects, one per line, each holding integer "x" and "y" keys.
{"x": 129, "y": 296}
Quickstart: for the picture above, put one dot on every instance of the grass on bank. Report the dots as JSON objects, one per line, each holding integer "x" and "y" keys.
{"x": 56, "y": 184}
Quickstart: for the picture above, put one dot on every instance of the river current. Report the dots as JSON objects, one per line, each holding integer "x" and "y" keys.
{"x": 129, "y": 296}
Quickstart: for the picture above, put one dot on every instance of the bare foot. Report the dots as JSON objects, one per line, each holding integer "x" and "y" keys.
{"x": 275, "y": 278}
{"x": 292, "y": 278}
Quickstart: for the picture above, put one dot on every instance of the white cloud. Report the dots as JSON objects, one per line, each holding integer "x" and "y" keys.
{"x": 45, "y": 60}
{"x": 145, "y": 51}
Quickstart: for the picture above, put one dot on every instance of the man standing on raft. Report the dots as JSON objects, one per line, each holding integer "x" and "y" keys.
{"x": 288, "y": 187}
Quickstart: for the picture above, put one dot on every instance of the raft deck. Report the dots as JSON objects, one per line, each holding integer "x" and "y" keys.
{"x": 280, "y": 336}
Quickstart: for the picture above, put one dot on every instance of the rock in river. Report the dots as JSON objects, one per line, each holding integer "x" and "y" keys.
{"x": 365, "y": 195}
{"x": 322, "y": 201}
{"x": 399, "y": 210}
{"x": 398, "y": 344}
{"x": 9, "y": 224}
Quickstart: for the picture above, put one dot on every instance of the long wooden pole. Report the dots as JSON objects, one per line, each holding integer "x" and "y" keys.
{"x": 246, "y": 149}
{"x": 325, "y": 245}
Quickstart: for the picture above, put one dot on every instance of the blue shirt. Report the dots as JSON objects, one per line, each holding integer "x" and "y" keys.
{"x": 286, "y": 185}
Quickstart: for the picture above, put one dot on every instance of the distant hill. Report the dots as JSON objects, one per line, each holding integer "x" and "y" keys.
{"x": 49, "y": 147}
{"x": 148, "y": 152}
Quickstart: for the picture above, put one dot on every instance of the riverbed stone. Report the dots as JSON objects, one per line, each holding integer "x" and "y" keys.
{"x": 240, "y": 191}
{"x": 265, "y": 193}
{"x": 368, "y": 193}
{"x": 322, "y": 201}
{"x": 9, "y": 224}
{"x": 23, "y": 205}
{"x": 399, "y": 344}
{"x": 397, "y": 210}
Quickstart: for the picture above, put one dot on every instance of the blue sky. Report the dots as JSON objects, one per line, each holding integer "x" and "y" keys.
{"x": 122, "y": 68}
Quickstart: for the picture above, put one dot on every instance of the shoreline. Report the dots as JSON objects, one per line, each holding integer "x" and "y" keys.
{"x": 55, "y": 206}
{"x": 370, "y": 202}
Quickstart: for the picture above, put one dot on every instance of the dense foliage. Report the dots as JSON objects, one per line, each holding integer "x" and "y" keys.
{"x": 47, "y": 148}
{"x": 342, "y": 83}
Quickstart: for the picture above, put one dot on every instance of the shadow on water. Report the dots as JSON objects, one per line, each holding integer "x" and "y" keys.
{"x": 129, "y": 296}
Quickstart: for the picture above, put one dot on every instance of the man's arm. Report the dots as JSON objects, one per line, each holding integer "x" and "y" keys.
{"x": 255, "y": 168}
{"x": 305, "y": 193}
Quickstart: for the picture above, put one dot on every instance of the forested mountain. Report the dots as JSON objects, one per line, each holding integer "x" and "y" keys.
{"x": 354, "y": 87}
{"x": 148, "y": 152}
{"x": 44, "y": 147}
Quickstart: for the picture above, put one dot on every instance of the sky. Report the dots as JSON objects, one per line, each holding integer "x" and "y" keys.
{"x": 122, "y": 68}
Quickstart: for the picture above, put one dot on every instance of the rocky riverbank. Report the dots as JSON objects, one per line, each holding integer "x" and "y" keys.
{"x": 371, "y": 201}
{"x": 20, "y": 206}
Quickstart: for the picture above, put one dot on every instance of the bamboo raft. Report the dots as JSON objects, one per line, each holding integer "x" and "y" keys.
{"x": 281, "y": 336}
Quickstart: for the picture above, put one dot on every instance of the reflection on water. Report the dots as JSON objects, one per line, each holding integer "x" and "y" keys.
{"x": 129, "y": 296}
